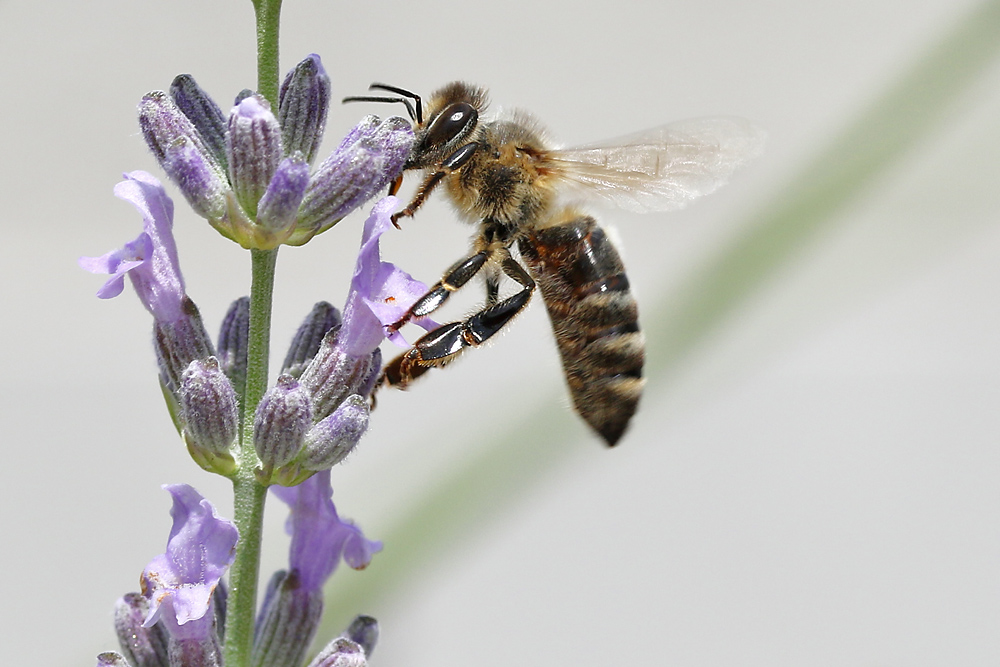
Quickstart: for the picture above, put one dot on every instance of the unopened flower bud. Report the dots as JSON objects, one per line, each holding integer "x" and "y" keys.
{"x": 321, "y": 319}
{"x": 200, "y": 652}
{"x": 242, "y": 95}
{"x": 203, "y": 112}
{"x": 366, "y": 161}
{"x": 179, "y": 342}
{"x": 332, "y": 439}
{"x": 184, "y": 155}
{"x": 234, "y": 336}
{"x": 142, "y": 646}
{"x": 287, "y": 622}
{"x": 111, "y": 659}
{"x": 363, "y": 631}
{"x": 303, "y": 103}
{"x": 278, "y": 207}
{"x": 280, "y": 424}
{"x": 253, "y": 149}
{"x": 333, "y": 375}
{"x": 340, "y": 652}
{"x": 209, "y": 414}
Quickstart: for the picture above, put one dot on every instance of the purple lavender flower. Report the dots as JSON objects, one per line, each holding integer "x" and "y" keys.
{"x": 150, "y": 261}
{"x": 180, "y": 582}
{"x": 293, "y": 604}
{"x": 380, "y": 292}
{"x": 234, "y": 175}
{"x": 319, "y": 537}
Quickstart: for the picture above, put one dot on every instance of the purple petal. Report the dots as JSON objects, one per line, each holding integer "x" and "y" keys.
{"x": 150, "y": 260}
{"x": 380, "y": 292}
{"x": 179, "y": 583}
{"x": 319, "y": 537}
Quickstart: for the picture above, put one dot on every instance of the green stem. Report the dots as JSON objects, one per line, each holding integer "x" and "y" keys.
{"x": 249, "y": 494}
{"x": 268, "y": 14}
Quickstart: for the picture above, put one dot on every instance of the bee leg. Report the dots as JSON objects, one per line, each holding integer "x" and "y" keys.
{"x": 395, "y": 185}
{"x": 444, "y": 344}
{"x": 454, "y": 161}
{"x": 460, "y": 273}
{"x": 492, "y": 287}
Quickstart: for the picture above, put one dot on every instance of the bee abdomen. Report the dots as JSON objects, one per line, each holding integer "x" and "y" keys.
{"x": 595, "y": 319}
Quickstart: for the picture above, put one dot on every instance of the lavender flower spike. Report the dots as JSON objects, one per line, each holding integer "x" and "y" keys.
{"x": 150, "y": 260}
{"x": 367, "y": 160}
{"x": 180, "y": 582}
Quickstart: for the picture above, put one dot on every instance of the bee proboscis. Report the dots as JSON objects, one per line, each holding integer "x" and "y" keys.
{"x": 505, "y": 176}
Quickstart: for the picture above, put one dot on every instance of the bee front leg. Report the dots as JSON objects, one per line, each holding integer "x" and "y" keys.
{"x": 454, "y": 161}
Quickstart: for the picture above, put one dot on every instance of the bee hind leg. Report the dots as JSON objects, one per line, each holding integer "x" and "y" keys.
{"x": 443, "y": 345}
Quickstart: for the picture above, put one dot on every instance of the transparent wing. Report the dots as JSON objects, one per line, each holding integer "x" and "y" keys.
{"x": 663, "y": 168}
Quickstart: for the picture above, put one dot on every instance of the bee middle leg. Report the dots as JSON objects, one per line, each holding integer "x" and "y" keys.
{"x": 444, "y": 344}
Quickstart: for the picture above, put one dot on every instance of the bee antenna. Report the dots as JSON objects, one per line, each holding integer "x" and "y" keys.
{"x": 405, "y": 93}
{"x": 374, "y": 98}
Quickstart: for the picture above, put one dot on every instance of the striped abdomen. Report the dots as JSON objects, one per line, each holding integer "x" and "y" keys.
{"x": 594, "y": 317}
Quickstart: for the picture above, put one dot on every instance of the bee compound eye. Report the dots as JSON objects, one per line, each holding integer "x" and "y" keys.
{"x": 454, "y": 121}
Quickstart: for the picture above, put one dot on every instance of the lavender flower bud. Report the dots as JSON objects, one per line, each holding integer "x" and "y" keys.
{"x": 363, "y": 631}
{"x": 332, "y": 439}
{"x": 287, "y": 622}
{"x": 142, "y": 646}
{"x": 366, "y": 161}
{"x": 111, "y": 659}
{"x": 233, "y": 340}
{"x": 208, "y": 407}
{"x": 368, "y": 384}
{"x": 220, "y": 598}
{"x": 242, "y": 95}
{"x": 278, "y": 207}
{"x": 178, "y": 343}
{"x": 280, "y": 424}
{"x": 184, "y": 155}
{"x": 254, "y": 150}
{"x": 305, "y": 344}
{"x": 333, "y": 375}
{"x": 340, "y": 652}
{"x": 203, "y": 112}
{"x": 303, "y": 103}
{"x": 201, "y": 652}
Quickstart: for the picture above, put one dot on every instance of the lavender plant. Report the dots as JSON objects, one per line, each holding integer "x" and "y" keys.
{"x": 250, "y": 174}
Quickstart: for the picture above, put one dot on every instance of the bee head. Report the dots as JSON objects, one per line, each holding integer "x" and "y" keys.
{"x": 452, "y": 118}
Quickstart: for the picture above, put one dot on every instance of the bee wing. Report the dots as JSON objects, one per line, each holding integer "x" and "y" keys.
{"x": 663, "y": 168}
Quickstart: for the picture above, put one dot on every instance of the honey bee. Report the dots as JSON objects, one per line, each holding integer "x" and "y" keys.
{"x": 505, "y": 176}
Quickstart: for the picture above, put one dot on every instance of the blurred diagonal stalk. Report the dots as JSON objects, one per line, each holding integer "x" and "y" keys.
{"x": 909, "y": 112}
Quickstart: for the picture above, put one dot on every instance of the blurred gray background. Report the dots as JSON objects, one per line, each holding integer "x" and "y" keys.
{"x": 812, "y": 476}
